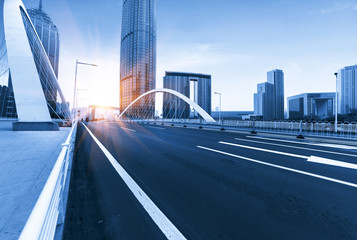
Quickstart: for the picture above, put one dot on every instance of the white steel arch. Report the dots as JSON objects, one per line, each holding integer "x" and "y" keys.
{"x": 194, "y": 105}
{"x": 29, "y": 97}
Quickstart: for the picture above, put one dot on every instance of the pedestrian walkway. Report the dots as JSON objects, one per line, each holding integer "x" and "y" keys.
{"x": 26, "y": 160}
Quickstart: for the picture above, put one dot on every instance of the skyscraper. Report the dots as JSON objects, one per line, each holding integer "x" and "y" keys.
{"x": 347, "y": 89}
{"x": 48, "y": 34}
{"x": 263, "y": 101}
{"x": 276, "y": 77}
{"x": 138, "y": 56}
{"x": 192, "y": 85}
{"x": 269, "y": 99}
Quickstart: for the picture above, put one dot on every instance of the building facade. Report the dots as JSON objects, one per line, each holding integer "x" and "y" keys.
{"x": 269, "y": 99}
{"x": 276, "y": 78}
{"x": 138, "y": 56}
{"x": 48, "y": 34}
{"x": 263, "y": 101}
{"x": 347, "y": 89}
{"x": 311, "y": 106}
{"x": 195, "y": 86}
{"x": 7, "y": 103}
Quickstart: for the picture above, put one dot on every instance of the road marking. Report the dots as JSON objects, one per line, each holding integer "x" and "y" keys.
{"x": 156, "y": 127}
{"x": 310, "y": 149}
{"x": 281, "y": 167}
{"x": 332, "y": 162}
{"x": 165, "y": 225}
{"x": 265, "y": 150}
{"x": 127, "y": 129}
{"x": 306, "y": 143}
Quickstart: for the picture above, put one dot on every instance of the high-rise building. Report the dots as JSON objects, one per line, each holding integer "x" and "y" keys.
{"x": 48, "y": 34}
{"x": 138, "y": 56}
{"x": 347, "y": 89}
{"x": 269, "y": 99}
{"x": 276, "y": 78}
{"x": 311, "y": 106}
{"x": 49, "y": 37}
{"x": 195, "y": 86}
{"x": 263, "y": 101}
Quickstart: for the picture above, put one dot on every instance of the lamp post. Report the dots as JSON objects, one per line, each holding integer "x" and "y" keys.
{"x": 336, "y": 107}
{"x": 220, "y": 105}
{"x": 75, "y": 84}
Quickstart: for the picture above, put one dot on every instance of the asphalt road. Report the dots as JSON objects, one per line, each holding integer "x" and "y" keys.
{"x": 210, "y": 185}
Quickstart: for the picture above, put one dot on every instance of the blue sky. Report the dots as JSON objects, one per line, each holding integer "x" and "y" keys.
{"x": 235, "y": 41}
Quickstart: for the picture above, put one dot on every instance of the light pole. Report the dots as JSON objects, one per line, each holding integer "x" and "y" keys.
{"x": 220, "y": 104}
{"x": 336, "y": 107}
{"x": 75, "y": 84}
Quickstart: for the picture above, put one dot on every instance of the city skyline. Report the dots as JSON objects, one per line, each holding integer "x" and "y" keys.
{"x": 301, "y": 39}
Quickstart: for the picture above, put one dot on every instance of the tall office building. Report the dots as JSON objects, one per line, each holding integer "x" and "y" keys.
{"x": 269, "y": 99}
{"x": 263, "y": 101}
{"x": 276, "y": 78}
{"x": 49, "y": 37}
{"x": 347, "y": 89}
{"x": 48, "y": 34}
{"x": 138, "y": 56}
{"x": 192, "y": 85}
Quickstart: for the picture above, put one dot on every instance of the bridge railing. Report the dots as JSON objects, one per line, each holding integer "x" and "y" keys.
{"x": 344, "y": 130}
{"x": 49, "y": 210}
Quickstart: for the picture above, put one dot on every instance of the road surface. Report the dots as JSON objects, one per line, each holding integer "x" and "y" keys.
{"x": 208, "y": 184}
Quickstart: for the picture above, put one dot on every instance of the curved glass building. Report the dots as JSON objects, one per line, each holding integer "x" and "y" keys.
{"x": 48, "y": 34}
{"x": 138, "y": 56}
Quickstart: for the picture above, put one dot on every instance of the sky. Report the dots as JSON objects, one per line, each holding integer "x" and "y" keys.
{"x": 235, "y": 41}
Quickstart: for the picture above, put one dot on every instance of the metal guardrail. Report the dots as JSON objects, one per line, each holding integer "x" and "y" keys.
{"x": 44, "y": 216}
{"x": 2, "y": 119}
{"x": 327, "y": 129}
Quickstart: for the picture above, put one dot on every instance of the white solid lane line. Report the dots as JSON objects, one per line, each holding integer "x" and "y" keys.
{"x": 331, "y": 162}
{"x": 165, "y": 225}
{"x": 156, "y": 127}
{"x": 303, "y": 148}
{"x": 265, "y": 150}
{"x": 306, "y": 143}
{"x": 281, "y": 167}
{"x": 127, "y": 129}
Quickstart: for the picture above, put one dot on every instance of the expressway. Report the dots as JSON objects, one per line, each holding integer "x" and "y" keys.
{"x": 139, "y": 181}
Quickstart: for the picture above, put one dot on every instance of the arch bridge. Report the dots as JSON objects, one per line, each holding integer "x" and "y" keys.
{"x": 194, "y": 105}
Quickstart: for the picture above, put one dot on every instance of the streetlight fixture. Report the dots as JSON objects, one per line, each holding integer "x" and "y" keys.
{"x": 75, "y": 84}
{"x": 220, "y": 104}
{"x": 336, "y": 107}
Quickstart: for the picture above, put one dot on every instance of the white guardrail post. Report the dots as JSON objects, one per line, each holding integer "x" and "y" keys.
{"x": 44, "y": 216}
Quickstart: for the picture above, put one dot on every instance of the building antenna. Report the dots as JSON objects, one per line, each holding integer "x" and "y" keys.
{"x": 40, "y": 7}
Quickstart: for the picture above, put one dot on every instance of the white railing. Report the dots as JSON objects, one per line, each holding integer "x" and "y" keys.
{"x": 327, "y": 129}
{"x": 3, "y": 119}
{"x": 44, "y": 216}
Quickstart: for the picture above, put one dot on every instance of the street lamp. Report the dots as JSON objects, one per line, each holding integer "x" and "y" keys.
{"x": 220, "y": 104}
{"x": 75, "y": 83}
{"x": 336, "y": 107}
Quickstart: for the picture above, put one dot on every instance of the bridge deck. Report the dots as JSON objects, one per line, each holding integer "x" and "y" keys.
{"x": 26, "y": 160}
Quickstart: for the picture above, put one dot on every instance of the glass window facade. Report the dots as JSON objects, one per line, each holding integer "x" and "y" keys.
{"x": 174, "y": 107}
{"x": 347, "y": 90}
{"x": 138, "y": 56}
{"x": 56, "y": 103}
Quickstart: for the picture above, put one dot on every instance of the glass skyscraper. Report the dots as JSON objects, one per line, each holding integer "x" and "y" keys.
{"x": 269, "y": 99}
{"x": 192, "y": 85}
{"x": 347, "y": 89}
{"x": 138, "y": 56}
{"x": 48, "y": 34}
{"x": 276, "y": 77}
